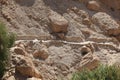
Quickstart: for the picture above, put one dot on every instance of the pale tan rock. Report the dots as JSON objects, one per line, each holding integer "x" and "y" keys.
{"x": 58, "y": 23}
{"x": 77, "y": 14}
{"x": 26, "y": 67}
{"x": 83, "y": 14}
{"x": 107, "y": 24}
{"x": 20, "y": 44}
{"x": 11, "y": 78}
{"x": 87, "y": 21}
{"x": 87, "y": 32}
{"x": 8, "y": 76}
{"x": 33, "y": 78}
{"x": 89, "y": 61}
{"x": 93, "y": 5}
{"x": 115, "y": 60}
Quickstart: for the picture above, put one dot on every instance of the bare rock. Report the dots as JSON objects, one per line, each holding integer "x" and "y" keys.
{"x": 75, "y": 9}
{"x": 11, "y": 78}
{"x": 87, "y": 21}
{"x": 20, "y": 44}
{"x": 61, "y": 35}
{"x": 85, "y": 50}
{"x": 87, "y": 32}
{"x": 98, "y": 38}
{"x": 115, "y": 4}
{"x": 89, "y": 61}
{"x": 8, "y": 75}
{"x": 83, "y": 14}
{"x": 74, "y": 34}
{"x": 115, "y": 60}
{"x": 5, "y": 2}
{"x": 26, "y": 67}
{"x": 63, "y": 57}
{"x": 33, "y": 78}
{"x": 6, "y": 14}
{"x": 43, "y": 54}
{"x": 58, "y": 23}
{"x": 106, "y": 23}
{"x": 20, "y": 51}
{"x": 93, "y": 5}
{"x": 74, "y": 38}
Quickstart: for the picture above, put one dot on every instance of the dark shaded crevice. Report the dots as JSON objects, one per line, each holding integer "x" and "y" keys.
{"x": 84, "y": 53}
{"x": 112, "y": 9}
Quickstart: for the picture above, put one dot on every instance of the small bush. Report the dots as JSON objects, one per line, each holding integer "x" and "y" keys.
{"x": 6, "y": 41}
{"x": 101, "y": 73}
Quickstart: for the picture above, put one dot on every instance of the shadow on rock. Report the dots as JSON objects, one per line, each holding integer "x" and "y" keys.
{"x": 61, "y": 6}
{"x": 27, "y": 3}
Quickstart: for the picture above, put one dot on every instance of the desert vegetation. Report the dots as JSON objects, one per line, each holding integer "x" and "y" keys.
{"x": 6, "y": 41}
{"x": 103, "y": 72}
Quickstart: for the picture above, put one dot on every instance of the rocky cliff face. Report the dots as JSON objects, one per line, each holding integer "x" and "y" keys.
{"x": 56, "y": 38}
{"x": 112, "y": 4}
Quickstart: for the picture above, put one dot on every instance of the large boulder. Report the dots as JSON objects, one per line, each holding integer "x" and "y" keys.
{"x": 58, "y": 23}
{"x": 26, "y": 67}
{"x": 107, "y": 24}
{"x": 42, "y": 54}
{"x": 93, "y": 5}
{"x": 74, "y": 33}
{"x": 89, "y": 61}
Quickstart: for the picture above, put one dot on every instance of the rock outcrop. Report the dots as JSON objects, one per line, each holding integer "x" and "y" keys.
{"x": 26, "y": 67}
{"x": 89, "y": 60}
{"x": 58, "y": 23}
{"x": 106, "y": 23}
{"x": 115, "y": 4}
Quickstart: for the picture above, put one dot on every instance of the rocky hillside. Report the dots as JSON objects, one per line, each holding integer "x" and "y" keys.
{"x": 56, "y": 38}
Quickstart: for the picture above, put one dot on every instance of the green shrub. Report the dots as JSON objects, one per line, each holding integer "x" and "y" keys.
{"x": 103, "y": 72}
{"x": 6, "y": 41}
